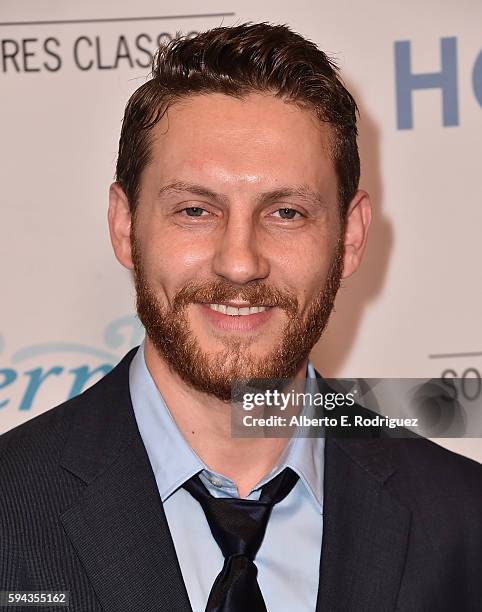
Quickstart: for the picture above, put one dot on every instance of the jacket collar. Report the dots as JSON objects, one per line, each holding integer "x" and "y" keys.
{"x": 100, "y": 434}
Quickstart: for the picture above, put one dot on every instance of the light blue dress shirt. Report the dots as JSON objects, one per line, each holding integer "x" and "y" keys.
{"x": 288, "y": 560}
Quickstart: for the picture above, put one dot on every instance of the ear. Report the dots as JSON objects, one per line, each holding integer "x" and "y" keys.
{"x": 358, "y": 218}
{"x": 119, "y": 217}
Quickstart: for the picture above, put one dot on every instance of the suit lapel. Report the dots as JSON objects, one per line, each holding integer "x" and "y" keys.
{"x": 118, "y": 528}
{"x": 365, "y": 528}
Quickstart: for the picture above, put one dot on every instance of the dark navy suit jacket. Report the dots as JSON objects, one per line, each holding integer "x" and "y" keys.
{"x": 80, "y": 512}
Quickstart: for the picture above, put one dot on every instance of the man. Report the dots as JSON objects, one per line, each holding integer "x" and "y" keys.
{"x": 237, "y": 207}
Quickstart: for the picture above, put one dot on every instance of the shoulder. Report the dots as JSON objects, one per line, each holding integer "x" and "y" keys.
{"x": 443, "y": 488}
{"x": 438, "y": 468}
{"x": 41, "y": 436}
{"x": 37, "y": 444}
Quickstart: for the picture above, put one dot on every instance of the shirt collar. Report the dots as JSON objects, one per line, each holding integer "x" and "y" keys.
{"x": 174, "y": 461}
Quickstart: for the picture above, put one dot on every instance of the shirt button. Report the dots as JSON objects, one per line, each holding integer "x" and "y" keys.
{"x": 215, "y": 482}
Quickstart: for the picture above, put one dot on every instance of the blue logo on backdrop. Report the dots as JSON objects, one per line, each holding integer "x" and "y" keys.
{"x": 26, "y": 382}
{"x": 444, "y": 78}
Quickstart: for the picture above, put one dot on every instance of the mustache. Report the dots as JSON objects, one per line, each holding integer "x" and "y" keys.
{"x": 215, "y": 292}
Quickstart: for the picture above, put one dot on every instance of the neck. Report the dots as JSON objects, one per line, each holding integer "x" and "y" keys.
{"x": 205, "y": 422}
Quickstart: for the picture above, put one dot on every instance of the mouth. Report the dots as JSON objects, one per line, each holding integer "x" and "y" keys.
{"x": 237, "y": 310}
{"x": 237, "y": 316}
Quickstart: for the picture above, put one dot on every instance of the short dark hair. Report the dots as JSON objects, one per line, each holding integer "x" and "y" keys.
{"x": 236, "y": 61}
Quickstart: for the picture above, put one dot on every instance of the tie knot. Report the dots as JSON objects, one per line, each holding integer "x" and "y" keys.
{"x": 239, "y": 525}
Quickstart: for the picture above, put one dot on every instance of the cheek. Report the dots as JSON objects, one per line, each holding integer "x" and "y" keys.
{"x": 304, "y": 267}
{"x": 306, "y": 261}
{"x": 171, "y": 259}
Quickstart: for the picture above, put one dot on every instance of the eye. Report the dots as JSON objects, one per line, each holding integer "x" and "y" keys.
{"x": 288, "y": 213}
{"x": 193, "y": 211}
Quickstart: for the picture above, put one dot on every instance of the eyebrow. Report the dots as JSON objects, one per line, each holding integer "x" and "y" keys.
{"x": 302, "y": 192}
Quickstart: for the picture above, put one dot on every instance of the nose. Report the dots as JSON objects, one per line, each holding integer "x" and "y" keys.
{"x": 238, "y": 257}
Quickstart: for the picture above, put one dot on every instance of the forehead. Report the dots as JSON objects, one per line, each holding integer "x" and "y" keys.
{"x": 255, "y": 139}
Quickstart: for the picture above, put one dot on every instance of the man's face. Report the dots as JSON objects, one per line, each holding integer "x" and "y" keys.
{"x": 239, "y": 206}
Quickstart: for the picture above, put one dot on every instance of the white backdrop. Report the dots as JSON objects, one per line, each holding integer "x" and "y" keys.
{"x": 66, "y": 71}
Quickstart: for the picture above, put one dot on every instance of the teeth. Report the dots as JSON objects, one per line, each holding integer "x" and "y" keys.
{"x": 234, "y": 312}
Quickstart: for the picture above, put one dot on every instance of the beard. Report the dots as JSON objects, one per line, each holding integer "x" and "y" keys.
{"x": 214, "y": 373}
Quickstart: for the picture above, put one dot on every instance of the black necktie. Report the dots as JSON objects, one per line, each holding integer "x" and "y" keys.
{"x": 238, "y": 526}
